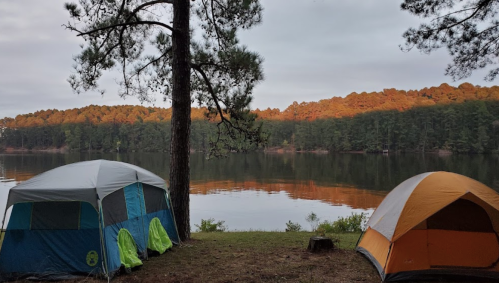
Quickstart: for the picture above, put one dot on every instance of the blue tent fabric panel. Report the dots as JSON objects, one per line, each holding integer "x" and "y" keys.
{"x": 134, "y": 198}
{"x": 134, "y": 226}
{"x": 170, "y": 227}
{"x": 88, "y": 216}
{"x": 166, "y": 219}
{"x": 20, "y": 217}
{"x": 141, "y": 199}
{"x": 50, "y": 252}
{"x": 112, "y": 251}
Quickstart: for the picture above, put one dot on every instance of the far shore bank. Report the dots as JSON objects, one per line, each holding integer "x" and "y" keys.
{"x": 272, "y": 150}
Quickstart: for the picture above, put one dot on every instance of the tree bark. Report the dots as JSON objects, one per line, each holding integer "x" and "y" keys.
{"x": 181, "y": 117}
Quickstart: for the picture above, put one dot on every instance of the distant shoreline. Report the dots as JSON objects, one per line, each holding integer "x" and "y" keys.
{"x": 272, "y": 150}
{"x": 63, "y": 149}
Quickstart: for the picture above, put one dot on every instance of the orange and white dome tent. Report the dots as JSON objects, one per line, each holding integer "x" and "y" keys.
{"x": 433, "y": 224}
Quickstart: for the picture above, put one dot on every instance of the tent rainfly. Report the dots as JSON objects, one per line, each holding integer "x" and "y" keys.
{"x": 435, "y": 224}
{"x": 84, "y": 218}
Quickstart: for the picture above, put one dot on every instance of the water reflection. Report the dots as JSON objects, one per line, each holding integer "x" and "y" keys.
{"x": 352, "y": 197}
{"x": 364, "y": 171}
{"x": 276, "y": 187}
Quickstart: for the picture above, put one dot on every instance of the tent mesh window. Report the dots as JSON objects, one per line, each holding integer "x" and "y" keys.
{"x": 114, "y": 208}
{"x": 461, "y": 215}
{"x": 154, "y": 198}
{"x": 55, "y": 215}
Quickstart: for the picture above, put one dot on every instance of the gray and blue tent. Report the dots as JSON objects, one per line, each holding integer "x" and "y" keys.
{"x": 68, "y": 221}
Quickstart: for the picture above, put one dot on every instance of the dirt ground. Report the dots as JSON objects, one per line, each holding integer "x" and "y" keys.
{"x": 233, "y": 264}
{"x": 253, "y": 257}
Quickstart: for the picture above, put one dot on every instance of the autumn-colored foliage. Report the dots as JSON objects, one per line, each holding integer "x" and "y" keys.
{"x": 93, "y": 114}
{"x": 336, "y": 107}
{"x": 388, "y": 99}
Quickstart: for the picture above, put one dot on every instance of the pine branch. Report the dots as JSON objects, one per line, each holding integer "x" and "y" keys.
{"x": 122, "y": 25}
{"x": 210, "y": 90}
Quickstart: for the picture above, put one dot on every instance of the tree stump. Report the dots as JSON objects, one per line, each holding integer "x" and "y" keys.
{"x": 317, "y": 244}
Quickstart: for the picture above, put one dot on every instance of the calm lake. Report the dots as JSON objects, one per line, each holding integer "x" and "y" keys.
{"x": 263, "y": 191}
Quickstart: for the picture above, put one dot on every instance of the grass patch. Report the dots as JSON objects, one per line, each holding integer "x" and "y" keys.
{"x": 261, "y": 241}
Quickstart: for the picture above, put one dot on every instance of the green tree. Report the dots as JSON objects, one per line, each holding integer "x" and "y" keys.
{"x": 450, "y": 125}
{"x": 482, "y": 140}
{"x": 220, "y": 72}
{"x": 463, "y": 141}
{"x": 469, "y": 30}
{"x": 73, "y": 137}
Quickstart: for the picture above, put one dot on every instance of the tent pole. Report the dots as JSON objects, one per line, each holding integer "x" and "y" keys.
{"x": 142, "y": 199}
{"x": 387, "y": 256}
{"x": 360, "y": 237}
{"x": 102, "y": 245}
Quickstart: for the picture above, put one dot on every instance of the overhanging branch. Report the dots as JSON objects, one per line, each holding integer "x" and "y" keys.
{"x": 224, "y": 121}
{"x": 478, "y": 8}
{"x": 150, "y": 3}
{"x": 197, "y": 68}
{"x": 138, "y": 71}
{"x": 124, "y": 25}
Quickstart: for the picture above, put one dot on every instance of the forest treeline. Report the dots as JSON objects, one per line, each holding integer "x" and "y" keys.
{"x": 469, "y": 127}
{"x": 463, "y": 119}
{"x": 336, "y": 107}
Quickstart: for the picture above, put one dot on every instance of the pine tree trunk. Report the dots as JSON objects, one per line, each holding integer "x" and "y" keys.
{"x": 181, "y": 117}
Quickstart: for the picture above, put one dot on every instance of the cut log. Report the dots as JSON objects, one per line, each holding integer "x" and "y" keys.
{"x": 318, "y": 244}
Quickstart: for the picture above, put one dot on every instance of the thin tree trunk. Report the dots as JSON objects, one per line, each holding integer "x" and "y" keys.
{"x": 181, "y": 117}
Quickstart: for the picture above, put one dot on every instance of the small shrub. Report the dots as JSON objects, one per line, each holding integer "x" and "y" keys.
{"x": 209, "y": 225}
{"x": 293, "y": 227}
{"x": 325, "y": 227}
{"x": 313, "y": 220}
{"x": 354, "y": 223}
{"x": 321, "y": 231}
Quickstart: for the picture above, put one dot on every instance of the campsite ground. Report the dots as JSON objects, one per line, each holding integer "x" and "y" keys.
{"x": 253, "y": 257}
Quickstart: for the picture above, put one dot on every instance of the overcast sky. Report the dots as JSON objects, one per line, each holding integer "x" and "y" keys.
{"x": 313, "y": 50}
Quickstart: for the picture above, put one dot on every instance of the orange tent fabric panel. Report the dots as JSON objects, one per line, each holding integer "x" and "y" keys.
{"x": 409, "y": 253}
{"x": 462, "y": 249}
{"x": 377, "y": 245}
{"x": 437, "y": 191}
